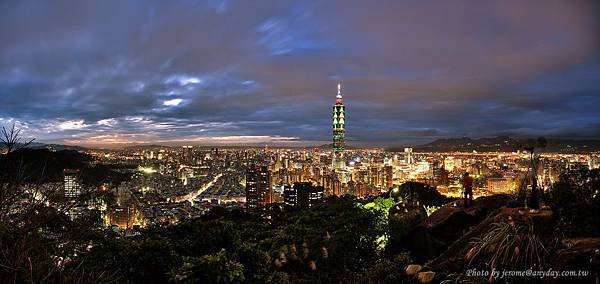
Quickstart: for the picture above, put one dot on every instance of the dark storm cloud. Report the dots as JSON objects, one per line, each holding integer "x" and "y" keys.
{"x": 108, "y": 72}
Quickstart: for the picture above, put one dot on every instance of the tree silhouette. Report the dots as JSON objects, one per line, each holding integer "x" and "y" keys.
{"x": 12, "y": 140}
{"x": 36, "y": 240}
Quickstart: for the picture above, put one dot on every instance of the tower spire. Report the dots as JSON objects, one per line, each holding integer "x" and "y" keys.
{"x": 339, "y": 130}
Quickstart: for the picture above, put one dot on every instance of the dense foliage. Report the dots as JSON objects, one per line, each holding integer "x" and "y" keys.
{"x": 43, "y": 166}
{"x": 333, "y": 242}
{"x": 508, "y": 245}
{"x": 576, "y": 198}
{"x": 39, "y": 165}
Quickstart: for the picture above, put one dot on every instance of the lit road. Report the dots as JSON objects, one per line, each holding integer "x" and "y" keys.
{"x": 192, "y": 195}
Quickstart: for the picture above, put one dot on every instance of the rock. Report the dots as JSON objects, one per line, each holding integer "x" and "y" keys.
{"x": 582, "y": 244}
{"x": 437, "y": 232}
{"x": 425, "y": 277}
{"x": 455, "y": 257}
{"x": 570, "y": 259}
{"x": 413, "y": 269}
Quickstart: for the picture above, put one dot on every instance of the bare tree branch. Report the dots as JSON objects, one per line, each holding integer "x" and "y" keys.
{"x": 12, "y": 140}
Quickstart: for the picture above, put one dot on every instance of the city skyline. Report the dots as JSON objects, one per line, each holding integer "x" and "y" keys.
{"x": 235, "y": 73}
{"x": 280, "y": 141}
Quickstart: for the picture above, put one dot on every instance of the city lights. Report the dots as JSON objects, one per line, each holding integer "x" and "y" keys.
{"x": 299, "y": 141}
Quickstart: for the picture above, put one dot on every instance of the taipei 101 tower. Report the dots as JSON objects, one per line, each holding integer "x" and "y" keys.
{"x": 339, "y": 130}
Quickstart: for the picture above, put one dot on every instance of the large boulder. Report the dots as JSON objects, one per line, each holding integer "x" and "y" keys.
{"x": 433, "y": 235}
{"x": 453, "y": 258}
{"x": 575, "y": 254}
{"x": 413, "y": 269}
{"x": 426, "y": 276}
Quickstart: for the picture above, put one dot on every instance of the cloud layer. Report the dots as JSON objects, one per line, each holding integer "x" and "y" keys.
{"x": 229, "y": 72}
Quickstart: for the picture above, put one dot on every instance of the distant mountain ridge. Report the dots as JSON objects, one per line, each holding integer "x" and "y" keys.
{"x": 54, "y": 147}
{"x": 505, "y": 144}
{"x": 462, "y": 144}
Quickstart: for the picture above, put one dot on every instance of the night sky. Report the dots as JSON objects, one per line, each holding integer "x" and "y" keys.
{"x": 254, "y": 72}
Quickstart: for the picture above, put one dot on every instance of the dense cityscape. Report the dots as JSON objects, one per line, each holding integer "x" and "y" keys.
{"x": 169, "y": 184}
{"x": 152, "y": 186}
{"x": 206, "y": 142}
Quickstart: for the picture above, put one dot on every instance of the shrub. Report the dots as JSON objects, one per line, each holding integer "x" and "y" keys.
{"x": 508, "y": 245}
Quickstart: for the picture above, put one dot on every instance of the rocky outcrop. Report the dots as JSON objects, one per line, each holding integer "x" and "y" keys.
{"x": 453, "y": 259}
{"x": 575, "y": 253}
{"x": 425, "y": 277}
{"x": 413, "y": 269}
{"x": 433, "y": 235}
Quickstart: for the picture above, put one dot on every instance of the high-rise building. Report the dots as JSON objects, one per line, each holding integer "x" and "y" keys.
{"x": 339, "y": 130}
{"x": 258, "y": 186}
{"x": 72, "y": 189}
{"x": 188, "y": 154}
{"x": 332, "y": 184}
{"x": 302, "y": 194}
{"x": 449, "y": 163}
{"x": 389, "y": 176}
{"x": 593, "y": 162}
{"x": 408, "y": 158}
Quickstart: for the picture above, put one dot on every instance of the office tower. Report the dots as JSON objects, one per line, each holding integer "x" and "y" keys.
{"x": 302, "y": 194}
{"x": 289, "y": 195}
{"x": 449, "y": 163}
{"x": 188, "y": 154}
{"x": 593, "y": 162}
{"x": 339, "y": 130}
{"x": 332, "y": 184}
{"x": 258, "y": 186}
{"x": 72, "y": 188}
{"x": 336, "y": 186}
{"x": 408, "y": 158}
{"x": 389, "y": 176}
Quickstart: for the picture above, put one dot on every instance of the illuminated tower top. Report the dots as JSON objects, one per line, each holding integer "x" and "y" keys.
{"x": 339, "y": 130}
{"x": 339, "y": 114}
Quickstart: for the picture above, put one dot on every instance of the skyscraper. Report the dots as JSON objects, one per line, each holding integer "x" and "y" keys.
{"x": 72, "y": 188}
{"x": 188, "y": 154}
{"x": 302, "y": 194}
{"x": 258, "y": 186}
{"x": 339, "y": 130}
{"x": 408, "y": 158}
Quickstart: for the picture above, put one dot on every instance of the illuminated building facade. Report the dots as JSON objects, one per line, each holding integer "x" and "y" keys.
{"x": 449, "y": 163}
{"x": 259, "y": 191}
{"x": 72, "y": 188}
{"x": 339, "y": 131}
{"x": 188, "y": 154}
{"x": 500, "y": 185}
{"x": 302, "y": 194}
{"x": 408, "y": 158}
{"x": 332, "y": 184}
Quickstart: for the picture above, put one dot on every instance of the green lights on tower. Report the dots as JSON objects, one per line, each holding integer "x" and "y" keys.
{"x": 339, "y": 128}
